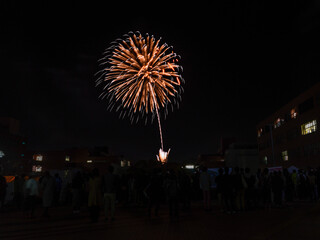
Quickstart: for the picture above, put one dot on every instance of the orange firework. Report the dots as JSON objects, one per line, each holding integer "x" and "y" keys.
{"x": 140, "y": 76}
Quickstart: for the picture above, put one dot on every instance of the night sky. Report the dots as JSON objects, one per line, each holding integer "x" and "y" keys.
{"x": 241, "y": 60}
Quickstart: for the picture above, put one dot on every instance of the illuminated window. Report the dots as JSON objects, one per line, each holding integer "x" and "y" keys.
{"x": 309, "y": 127}
{"x": 260, "y": 132}
{"x": 284, "y": 155}
{"x": 36, "y": 168}
{"x": 293, "y": 113}
{"x": 38, "y": 157}
{"x": 89, "y": 161}
{"x": 67, "y": 158}
{"x": 123, "y": 163}
{"x": 265, "y": 159}
{"x": 278, "y": 122}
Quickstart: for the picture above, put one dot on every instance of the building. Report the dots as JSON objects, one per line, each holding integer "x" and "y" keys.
{"x": 211, "y": 160}
{"x": 216, "y": 160}
{"x": 291, "y": 136}
{"x": 13, "y": 148}
{"x": 84, "y": 158}
{"x": 243, "y": 155}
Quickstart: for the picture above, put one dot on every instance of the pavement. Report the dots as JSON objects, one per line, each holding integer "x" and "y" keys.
{"x": 299, "y": 220}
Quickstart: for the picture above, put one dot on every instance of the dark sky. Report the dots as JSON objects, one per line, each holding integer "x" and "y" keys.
{"x": 242, "y": 60}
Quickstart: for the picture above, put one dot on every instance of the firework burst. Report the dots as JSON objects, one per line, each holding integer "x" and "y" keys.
{"x": 141, "y": 77}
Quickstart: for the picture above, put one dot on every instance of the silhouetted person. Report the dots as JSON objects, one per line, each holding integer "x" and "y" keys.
{"x": 228, "y": 191}
{"x": 288, "y": 191}
{"x": 77, "y": 192}
{"x": 266, "y": 188}
{"x": 197, "y": 192}
{"x": 277, "y": 186}
{"x": 250, "y": 194}
{"x": 172, "y": 190}
{"x": 302, "y": 185}
{"x": 132, "y": 189}
{"x": 219, "y": 185}
{"x": 48, "y": 185}
{"x": 141, "y": 184}
{"x": 94, "y": 197}
{"x": 317, "y": 174}
{"x": 312, "y": 185}
{"x": 294, "y": 178}
{"x": 185, "y": 186}
{"x": 154, "y": 192}
{"x": 18, "y": 192}
{"x": 3, "y": 191}
{"x": 109, "y": 190}
{"x": 31, "y": 192}
{"x": 58, "y": 187}
{"x": 240, "y": 186}
{"x": 204, "y": 181}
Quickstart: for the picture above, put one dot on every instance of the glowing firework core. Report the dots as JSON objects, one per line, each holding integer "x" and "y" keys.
{"x": 163, "y": 156}
{"x": 140, "y": 75}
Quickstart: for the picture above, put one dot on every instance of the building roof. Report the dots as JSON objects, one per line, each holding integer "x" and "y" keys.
{"x": 291, "y": 104}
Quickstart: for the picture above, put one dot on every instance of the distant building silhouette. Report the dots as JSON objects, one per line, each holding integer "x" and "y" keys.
{"x": 243, "y": 155}
{"x": 211, "y": 160}
{"x": 15, "y": 158}
{"x": 216, "y": 160}
{"x": 86, "y": 158}
{"x": 13, "y": 150}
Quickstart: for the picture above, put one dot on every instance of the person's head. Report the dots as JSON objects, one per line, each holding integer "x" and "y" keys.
{"x": 220, "y": 171}
{"x": 237, "y": 170}
{"x": 226, "y": 170}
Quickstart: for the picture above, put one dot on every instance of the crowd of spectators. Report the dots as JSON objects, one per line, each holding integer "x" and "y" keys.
{"x": 234, "y": 190}
{"x": 242, "y": 190}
